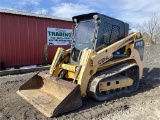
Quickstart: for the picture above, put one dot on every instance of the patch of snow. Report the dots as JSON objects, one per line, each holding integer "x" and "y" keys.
{"x": 28, "y": 67}
{"x": 12, "y": 68}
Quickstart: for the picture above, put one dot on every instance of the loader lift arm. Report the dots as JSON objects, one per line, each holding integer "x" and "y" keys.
{"x": 105, "y": 54}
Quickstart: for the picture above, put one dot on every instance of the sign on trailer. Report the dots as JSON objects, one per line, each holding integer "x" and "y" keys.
{"x": 58, "y": 36}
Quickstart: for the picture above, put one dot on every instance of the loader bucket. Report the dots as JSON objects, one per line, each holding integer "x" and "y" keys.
{"x": 50, "y": 96}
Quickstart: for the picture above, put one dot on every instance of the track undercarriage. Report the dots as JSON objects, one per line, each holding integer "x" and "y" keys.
{"x": 129, "y": 70}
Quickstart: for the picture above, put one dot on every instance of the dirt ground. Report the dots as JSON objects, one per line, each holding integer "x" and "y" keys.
{"x": 144, "y": 104}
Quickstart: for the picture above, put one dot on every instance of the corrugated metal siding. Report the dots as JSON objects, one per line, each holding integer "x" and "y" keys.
{"x": 22, "y": 39}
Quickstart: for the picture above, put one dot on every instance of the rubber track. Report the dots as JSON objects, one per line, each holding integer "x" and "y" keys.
{"x": 94, "y": 81}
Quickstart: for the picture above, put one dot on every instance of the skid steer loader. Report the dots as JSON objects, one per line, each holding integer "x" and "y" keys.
{"x": 103, "y": 62}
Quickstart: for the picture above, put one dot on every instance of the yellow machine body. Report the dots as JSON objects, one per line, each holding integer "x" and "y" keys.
{"x": 62, "y": 88}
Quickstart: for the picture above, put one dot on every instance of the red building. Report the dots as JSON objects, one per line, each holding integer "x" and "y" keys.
{"x": 23, "y": 36}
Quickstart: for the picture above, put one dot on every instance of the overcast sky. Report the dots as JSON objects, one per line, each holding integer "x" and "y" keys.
{"x": 131, "y": 11}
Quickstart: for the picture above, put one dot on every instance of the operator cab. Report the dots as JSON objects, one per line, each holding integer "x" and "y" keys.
{"x": 96, "y": 31}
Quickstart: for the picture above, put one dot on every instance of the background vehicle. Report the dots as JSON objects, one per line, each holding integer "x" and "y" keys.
{"x": 103, "y": 62}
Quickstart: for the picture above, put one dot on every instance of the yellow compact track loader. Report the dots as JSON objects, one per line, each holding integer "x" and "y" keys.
{"x": 103, "y": 62}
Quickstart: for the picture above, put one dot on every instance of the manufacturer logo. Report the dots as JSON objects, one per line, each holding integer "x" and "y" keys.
{"x": 103, "y": 60}
{"x": 139, "y": 43}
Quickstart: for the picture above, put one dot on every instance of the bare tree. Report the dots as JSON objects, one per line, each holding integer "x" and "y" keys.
{"x": 157, "y": 35}
{"x": 14, "y": 7}
{"x": 28, "y": 6}
{"x": 43, "y": 11}
{"x": 150, "y": 27}
{"x": 146, "y": 38}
